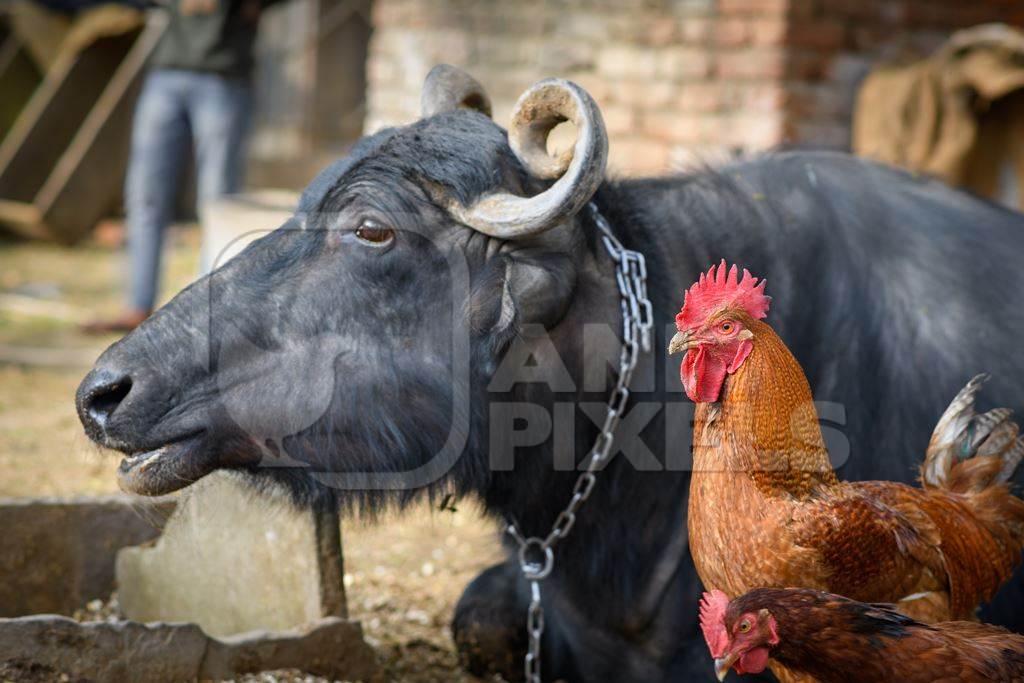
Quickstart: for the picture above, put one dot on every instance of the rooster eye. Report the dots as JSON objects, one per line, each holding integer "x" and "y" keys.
{"x": 373, "y": 233}
{"x": 727, "y": 327}
{"x": 744, "y": 626}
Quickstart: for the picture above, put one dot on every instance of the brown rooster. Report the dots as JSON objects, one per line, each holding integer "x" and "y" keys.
{"x": 766, "y": 508}
{"x": 831, "y": 638}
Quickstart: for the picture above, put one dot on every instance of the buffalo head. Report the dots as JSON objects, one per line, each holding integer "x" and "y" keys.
{"x": 352, "y": 345}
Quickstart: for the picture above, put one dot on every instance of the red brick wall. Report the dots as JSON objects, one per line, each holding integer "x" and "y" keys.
{"x": 832, "y": 44}
{"x": 675, "y": 79}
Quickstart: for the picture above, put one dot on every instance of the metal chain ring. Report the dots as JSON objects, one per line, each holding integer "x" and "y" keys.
{"x": 536, "y": 554}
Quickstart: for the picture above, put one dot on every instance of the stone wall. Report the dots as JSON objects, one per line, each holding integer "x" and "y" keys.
{"x": 677, "y": 80}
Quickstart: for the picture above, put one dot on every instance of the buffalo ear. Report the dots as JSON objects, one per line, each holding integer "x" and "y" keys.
{"x": 448, "y": 88}
{"x": 525, "y": 291}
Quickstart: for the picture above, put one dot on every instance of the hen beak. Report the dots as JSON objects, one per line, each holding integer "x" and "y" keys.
{"x": 683, "y": 341}
{"x": 723, "y": 664}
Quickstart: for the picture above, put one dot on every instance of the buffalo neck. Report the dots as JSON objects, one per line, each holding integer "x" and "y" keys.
{"x": 627, "y": 501}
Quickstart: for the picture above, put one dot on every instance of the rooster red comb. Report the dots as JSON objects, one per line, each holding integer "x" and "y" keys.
{"x": 721, "y": 286}
{"x": 712, "y": 621}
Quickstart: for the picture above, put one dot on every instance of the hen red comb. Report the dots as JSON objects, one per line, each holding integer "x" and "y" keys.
{"x": 712, "y": 621}
{"x": 719, "y": 287}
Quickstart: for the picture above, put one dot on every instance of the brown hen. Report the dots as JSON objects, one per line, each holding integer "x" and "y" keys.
{"x": 767, "y": 510}
{"x": 830, "y": 638}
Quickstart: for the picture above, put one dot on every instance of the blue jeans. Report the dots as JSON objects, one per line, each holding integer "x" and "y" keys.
{"x": 177, "y": 108}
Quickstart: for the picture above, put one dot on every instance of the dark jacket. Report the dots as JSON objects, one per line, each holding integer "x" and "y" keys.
{"x": 215, "y": 36}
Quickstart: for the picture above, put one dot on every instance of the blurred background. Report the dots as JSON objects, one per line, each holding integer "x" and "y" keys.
{"x": 936, "y": 86}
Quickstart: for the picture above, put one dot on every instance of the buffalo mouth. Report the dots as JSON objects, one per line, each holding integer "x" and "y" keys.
{"x": 166, "y": 469}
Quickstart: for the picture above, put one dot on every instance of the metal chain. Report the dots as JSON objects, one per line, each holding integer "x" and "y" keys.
{"x": 536, "y": 554}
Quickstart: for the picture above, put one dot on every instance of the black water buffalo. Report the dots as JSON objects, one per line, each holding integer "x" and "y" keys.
{"x": 370, "y": 350}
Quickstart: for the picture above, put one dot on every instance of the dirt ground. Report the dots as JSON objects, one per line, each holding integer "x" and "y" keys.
{"x": 402, "y": 575}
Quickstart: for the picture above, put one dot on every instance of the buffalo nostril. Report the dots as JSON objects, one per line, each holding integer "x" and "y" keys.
{"x": 104, "y": 399}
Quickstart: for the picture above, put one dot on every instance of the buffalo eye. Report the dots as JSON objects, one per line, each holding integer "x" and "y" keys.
{"x": 374, "y": 233}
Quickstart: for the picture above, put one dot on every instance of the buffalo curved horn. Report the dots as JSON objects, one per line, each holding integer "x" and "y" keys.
{"x": 447, "y": 88}
{"x": 579, "y": 171}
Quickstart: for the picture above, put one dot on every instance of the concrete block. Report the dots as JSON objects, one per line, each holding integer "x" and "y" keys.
{"x": 53, "y": 648}
{"x": 234, "y": 560}
{"x": 57, "y": 554}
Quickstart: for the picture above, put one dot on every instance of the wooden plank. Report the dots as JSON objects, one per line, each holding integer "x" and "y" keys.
{"x": 51, "y": 118}
{"x": 19, "y": 78}
{"x": 40, "y": 29}
{"x": 24, "y": 217}
{"x": 87, "y": 179}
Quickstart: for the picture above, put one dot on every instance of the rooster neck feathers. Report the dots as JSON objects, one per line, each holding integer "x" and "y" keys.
{"x": 766, "y": 408}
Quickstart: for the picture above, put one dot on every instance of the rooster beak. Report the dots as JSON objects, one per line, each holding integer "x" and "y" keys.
{"x": 681, "y": 342}
{"x": 723, "y": 664}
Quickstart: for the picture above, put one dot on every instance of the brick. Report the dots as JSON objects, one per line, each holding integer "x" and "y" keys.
{"x": 820, "y": 35}
{"x": 564, "y": 57}
{"x": 628, "y": 62}
{"x": 769, "y": 97}
{"x": 583, "y": 26}
{"x": 696, "y": 158}
{"x": 693, "y": 7}
{"x": 603, "y": 90}
{"x": 747, "y": 7}
{"x": 619, "y": 119}
{"x": 663, "y": 30}
{"x": 505, "y": 53}
{"x": 701, "y": 97}
{"x": 752, "y": 64}
{"x": 766, "y": 32}
{"x": 696, "y": 30}
{"x": 681, "y": 127}
{"x": 635, "y": 155}
{"x": 753, "y": 133}
{"x": 503, "y": 19}
{"x": 646, "y": 94}
{"x": 629, "y": 27}
{"x": 684, "y": 63}
{"x": 732, "y": 32}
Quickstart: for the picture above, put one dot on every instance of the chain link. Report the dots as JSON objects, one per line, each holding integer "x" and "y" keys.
{"x": 536, "y": 554}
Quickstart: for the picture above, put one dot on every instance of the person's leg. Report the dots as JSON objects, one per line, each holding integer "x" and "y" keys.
{"x": 220, "y": 112}
{"x": 160, "y": 135}
{"x": 160, "y": 138}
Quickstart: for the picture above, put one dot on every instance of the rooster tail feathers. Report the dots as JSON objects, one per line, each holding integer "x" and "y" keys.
{"x": 970, "y": 459}
{"x": 1011, "y": 458}
{"x": 948, "y": 433}
{"x": 970, "y": 451}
